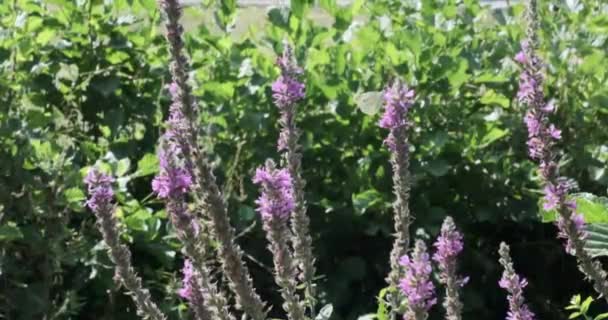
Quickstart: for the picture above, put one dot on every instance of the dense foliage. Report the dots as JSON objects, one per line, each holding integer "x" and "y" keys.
{"x": 84, "y": 82}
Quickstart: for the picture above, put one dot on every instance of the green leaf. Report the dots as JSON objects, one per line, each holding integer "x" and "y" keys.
{"x": 147, "y": 165}
{"x": 586, "y": 304}
{"x": 117, "y": 57}
{"x": 74, "y": 195}
{"x": 593, "y": 63}
{"x": 223, "y": 91}
{"x": 490, "y": 97}
{"x": 492, "y": 136}
{"x": 365, "y": 200}
{"x": 490, "y": 78}
{"x": 122, "y": 167}
{"x": 382, "y": 313}
{"x": 138, "y": 220}
{"x": 10, "y": 232}
{"x": 596, "y": 243}
{"x": 438, "y": 167}
{"x": 459, "y": 76}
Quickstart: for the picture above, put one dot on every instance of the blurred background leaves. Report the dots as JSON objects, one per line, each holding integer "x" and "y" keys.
{"x": 84, "y": 82}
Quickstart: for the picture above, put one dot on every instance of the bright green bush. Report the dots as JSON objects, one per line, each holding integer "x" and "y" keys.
{"x": 83, "y": 82}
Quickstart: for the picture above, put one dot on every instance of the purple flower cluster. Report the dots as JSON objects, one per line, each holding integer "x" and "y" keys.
{"x": 416, "y": 285}
{"x": 514, "y": 285}
{"x": 449, "y": 244}
{"x": 100, "y": 190}
{"x": 277, "y": 199}
{"x": 174, "y": 179}
{"x": 186, "y": 290}
{"x": 398, "y": 99}
{"x": 287, "y": 89}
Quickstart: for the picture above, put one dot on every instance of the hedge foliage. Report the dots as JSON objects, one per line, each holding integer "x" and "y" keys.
{"x": 84, "y": 82}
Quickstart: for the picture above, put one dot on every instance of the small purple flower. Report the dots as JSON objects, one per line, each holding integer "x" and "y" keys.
{"x": 521, "y": 57}
{"x": 554, "y": 132}
{"x": 556, "y": 193}
{"x": 532, "y": 124}
{"x": 100, "y": 189}
{"x": 416, "y": 285}
{"x": 186, "y": 290}
{"x": 172, "y": 183}
{"x": 173, "y": 179}
{"x": 276, "y": 200}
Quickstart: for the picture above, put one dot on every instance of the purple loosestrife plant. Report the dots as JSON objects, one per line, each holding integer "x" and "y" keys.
{"x": 275, "y": 205}
{"x": 514, "y": 285}
{"x": 449, "y": 244}
{"x": 542, "y": 138}
{"x": 287, "y": 92}
{"x": 206, "y": 193}
{"x": 100, "y": 202}
{"x": 416, "y": 284}
{"x": 172, "y": 185}
{"x": 398, "y": 99}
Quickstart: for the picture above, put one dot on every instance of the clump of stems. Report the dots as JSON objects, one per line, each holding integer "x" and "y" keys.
{"x": 206, "y": 193}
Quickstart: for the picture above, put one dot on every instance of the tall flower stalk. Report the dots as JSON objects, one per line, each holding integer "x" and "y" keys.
{"x": 287, "y": 92}
{"x": 514, "y": 285}
{"x": 398, "y": 99}
{"x": 100, "y": 202}
{"x": 542, "y": 138}
{"x": 449, "y": 244}
{"x": 172, "y": 185}
{"x": 416, "y": 284}
{"x": 206, "y": 192}
{"x": 275, "y": 205}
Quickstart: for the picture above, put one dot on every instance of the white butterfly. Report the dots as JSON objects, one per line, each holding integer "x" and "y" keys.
{"x": 369, "y": 102}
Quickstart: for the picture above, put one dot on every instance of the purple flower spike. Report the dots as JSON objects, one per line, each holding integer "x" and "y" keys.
{"x": 416, "y": 285}
{"x": 100, "y": 190}
{"x": 287, "y": 90}
{"x": 449, "y": 244}
{"x": 277, "y": 199}
{"x": 173, "y": 180}
{"x": 398, "y": 99}
{"x": 514, "y": 285}
{"x": 543, "y": 136}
